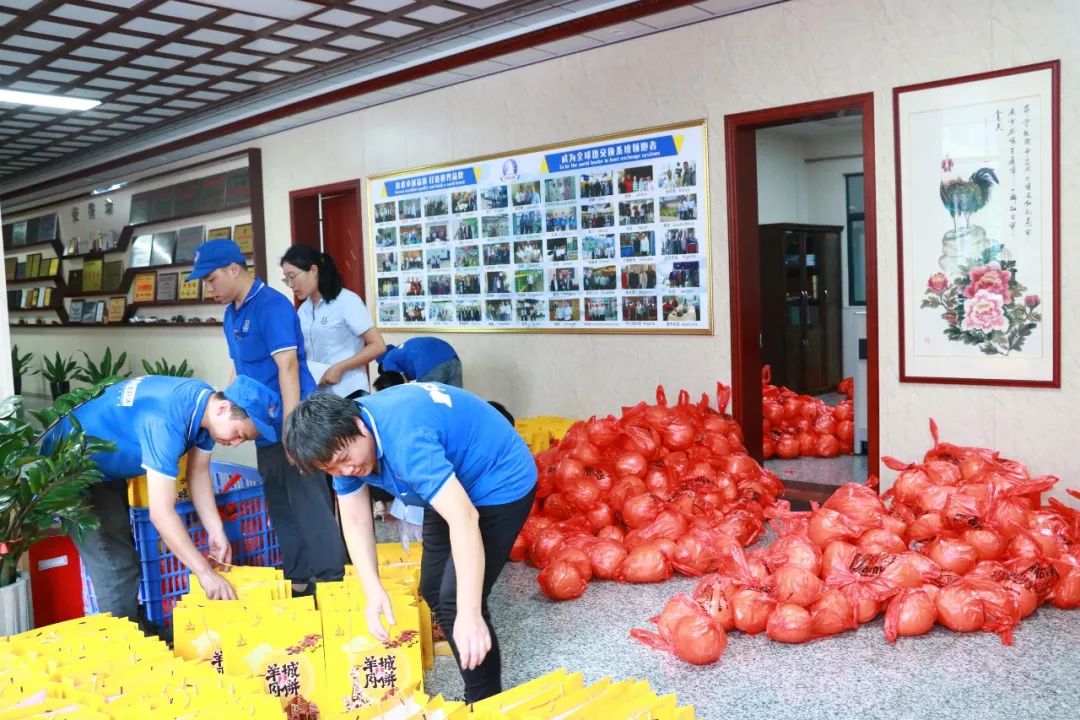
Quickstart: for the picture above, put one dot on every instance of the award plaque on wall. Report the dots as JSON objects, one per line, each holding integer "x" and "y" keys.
{"x": 161, "y": 203}
{"x": 74, "y": 280}
{"x": 20, "y": 270}
{"x": 212, "y": 193}
{"x": 145, "y": 284}
{"x": 33, "y": 265}
{"x": 54, "y": 267}
{"x": 10, "y": 265}
{"x": 140, "y": 208}
{"x": 187, "y": 198}
{"x": 18, "y": 233}
{"x": 112, "y": 275}
{"x": 140, "y": 250}
{"x": 191, "y": 290}
{"x": 89, "y": 312}
{"x": 189, "y": 239}
{"x": 244, "y": 235}
{"x": 217, "y": 233}
{"x": 46, "y": 230}
{"x": 46, "y": 297}
{"x": 167, "y": 286}
{"x": 92, "y": 270}
{"x": 237, "y": 190}
{"x": 164, "y": 248}
{"x": 75, "y": 314}
{"x": 115, "y": 311}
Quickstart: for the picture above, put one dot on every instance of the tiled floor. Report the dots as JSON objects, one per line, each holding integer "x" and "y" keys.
{"x": 827, "y": 471}
{"x": 942, "y": 675}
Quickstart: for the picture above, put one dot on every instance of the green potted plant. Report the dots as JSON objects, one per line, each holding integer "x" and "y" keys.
{"x": 41, "y": 492}
{"x": 20, "y": 365}
{"x": 95, "y": 373}
{"x": 59, "y": 372}
{"x": 163, "y": 367}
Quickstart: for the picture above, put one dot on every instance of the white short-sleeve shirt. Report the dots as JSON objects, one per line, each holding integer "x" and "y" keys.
{"x": 332, "y": 333}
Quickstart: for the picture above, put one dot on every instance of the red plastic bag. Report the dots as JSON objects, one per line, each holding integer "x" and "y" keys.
{"x": 578, "y": 558}
{"x": 640, "y": 510}
{"x": 789, "y": 623}
{"x": 645, "y": 564}
{"x": 667, "y": 524}
{"x": 607, "y": 557}
{"x": 858, "y": 502}
{"x": 548, "y": 542}
{"x": 795, "y": 585}
{"x": 752, "y": 609}
{"x": 911, "y": 612}
{"x": 687, "y": 631}
{"x": 827, "y": 525}
{"x": 832, "y": 614}
{"x": 952, "y": 555}
{"x": 561, "y": 581}
{"x": 794, "y": 550}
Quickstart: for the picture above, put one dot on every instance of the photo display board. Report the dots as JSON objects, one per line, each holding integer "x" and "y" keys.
{"x": 606, "y": 234}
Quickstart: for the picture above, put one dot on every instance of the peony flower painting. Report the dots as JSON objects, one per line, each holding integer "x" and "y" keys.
{"x": 985, "y": 306}
{"x": 978, "y": 225}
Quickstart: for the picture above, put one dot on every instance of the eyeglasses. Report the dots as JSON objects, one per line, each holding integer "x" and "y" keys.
{"x": 289, "y": 279}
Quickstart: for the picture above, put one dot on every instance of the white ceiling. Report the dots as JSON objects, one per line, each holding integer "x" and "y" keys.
{"x": 187, "y": 66}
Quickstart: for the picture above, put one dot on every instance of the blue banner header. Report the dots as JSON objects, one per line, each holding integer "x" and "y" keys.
{"x": 614, "y": 152}
{"x": 430, "y": 182}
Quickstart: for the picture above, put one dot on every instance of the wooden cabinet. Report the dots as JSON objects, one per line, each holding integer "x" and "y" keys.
{"x": 801, "y": 305}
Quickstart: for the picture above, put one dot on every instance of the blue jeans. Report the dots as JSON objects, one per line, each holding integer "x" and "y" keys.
{"x": 447, "y": 373}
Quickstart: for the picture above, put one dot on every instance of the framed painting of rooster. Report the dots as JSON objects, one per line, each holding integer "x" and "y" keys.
{"x": 977, "y": 199}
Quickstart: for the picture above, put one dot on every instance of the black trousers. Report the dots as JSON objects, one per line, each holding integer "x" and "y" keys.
{"x": 302, "y": 513}
{"x": 499, "y": 526}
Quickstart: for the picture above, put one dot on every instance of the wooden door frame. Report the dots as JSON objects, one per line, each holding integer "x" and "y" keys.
{"x": 744, "y": 262}
{"x": 344, "y": 186}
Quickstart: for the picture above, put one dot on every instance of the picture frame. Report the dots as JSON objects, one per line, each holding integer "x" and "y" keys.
{"x": 978, "y": 228}
{"x": 145, "y": 286}
{"x": 537, "y": 221}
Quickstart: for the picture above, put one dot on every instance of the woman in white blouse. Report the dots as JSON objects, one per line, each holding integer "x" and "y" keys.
{"x": 338, "y": 333}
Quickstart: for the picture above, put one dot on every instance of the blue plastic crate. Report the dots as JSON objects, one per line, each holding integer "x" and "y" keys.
{"x": 228, "y": 476}
{"x": 163, "y": 579}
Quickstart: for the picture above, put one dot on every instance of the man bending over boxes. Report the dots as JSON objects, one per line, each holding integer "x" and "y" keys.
{"x": 154, "y": 420}
{"x": 447, "y": 450}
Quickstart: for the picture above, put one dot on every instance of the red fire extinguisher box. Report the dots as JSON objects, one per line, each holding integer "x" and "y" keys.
{"x": 55, "y": 581}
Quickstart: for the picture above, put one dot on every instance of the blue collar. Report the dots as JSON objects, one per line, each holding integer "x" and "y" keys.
{"x": 255, "y": 288}
{"x": 369, "y": 422}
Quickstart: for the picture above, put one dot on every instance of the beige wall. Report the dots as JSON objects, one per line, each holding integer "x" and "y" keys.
{"x": 798, "y": 51}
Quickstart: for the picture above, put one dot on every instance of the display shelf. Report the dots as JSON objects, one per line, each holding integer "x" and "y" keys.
{"x": 59, "y": 309}
{"x": 56, "y": 279}
{"x": 173, "y": 266}
{"x": 189, "y": 216}
{"x": 10, "y": 249}
{"x": 103, "y": 325}
{"x": 96, "y": 293}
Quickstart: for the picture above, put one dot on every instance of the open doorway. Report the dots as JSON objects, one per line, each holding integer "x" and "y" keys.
{"x": 327, "y": 218}
{"x": 801, "y": 237}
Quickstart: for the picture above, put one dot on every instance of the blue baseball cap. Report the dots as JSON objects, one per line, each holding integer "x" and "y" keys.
{"x": 262, "y": 404}
{"x": 379, "y": 359}
{"x": 214, "y": 254}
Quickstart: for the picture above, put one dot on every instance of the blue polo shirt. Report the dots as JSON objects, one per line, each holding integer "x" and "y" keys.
{"x": 416, "y": 356}
{"x": 153, "y": 420}
{"x": 426, "y": 432}
{"x": 265, "y": 324}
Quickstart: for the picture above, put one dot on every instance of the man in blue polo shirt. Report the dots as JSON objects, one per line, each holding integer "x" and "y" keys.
{"x": 154, "y": 421}
{"x": 449, "y": 451}
{"x": 265, "y": 343}
{"x": 427, "y": 359}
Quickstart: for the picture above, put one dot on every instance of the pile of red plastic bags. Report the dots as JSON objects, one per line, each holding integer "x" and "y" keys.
{"x": 962, "y": 539}
{"x": 796, "y": 425}
{"x": 639, "y": 497}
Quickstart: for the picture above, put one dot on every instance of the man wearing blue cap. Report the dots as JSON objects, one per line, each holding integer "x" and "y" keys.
{"x": 154, "y": 420}
{"x": 427, "y": 359}
{"x": 262, "y": 330}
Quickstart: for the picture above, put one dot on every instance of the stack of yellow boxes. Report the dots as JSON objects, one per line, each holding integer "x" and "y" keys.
{"x": 540, "y": 432}
{"x": 563, "y": 696}
{"x": 104, "y": 668}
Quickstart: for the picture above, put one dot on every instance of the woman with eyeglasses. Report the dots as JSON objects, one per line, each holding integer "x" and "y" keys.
{"x": 336, "y": 323}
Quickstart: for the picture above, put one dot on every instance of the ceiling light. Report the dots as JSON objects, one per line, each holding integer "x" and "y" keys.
{"x": 53, "y": 101}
